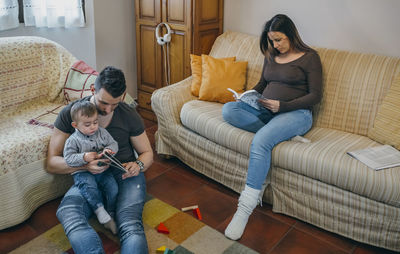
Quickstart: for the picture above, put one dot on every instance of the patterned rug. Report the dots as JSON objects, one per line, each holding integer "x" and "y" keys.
{"x": 186, "y": 235}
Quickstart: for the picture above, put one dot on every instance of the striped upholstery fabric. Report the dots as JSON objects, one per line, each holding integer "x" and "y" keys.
{"x": 386, "y": 127}
{"x": 354, "y": 86}
{"x": 205, "y": 118}
{"x": 335, "y": 210}
{"x": 316, "y": 182}
{"x": 325, "y": 160}
{"x": 32, "y": 74}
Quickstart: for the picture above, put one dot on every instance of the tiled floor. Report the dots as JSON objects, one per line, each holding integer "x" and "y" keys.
{"x": 178, "y": 185}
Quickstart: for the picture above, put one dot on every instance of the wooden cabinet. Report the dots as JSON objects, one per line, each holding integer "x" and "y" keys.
{"x": 195, "y": 25}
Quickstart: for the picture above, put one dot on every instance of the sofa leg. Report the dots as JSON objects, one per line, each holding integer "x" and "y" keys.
{"x": 166, "y": 156}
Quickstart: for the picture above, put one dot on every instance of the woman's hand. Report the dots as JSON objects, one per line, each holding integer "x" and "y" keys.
{"x": 132, "y": 169}
{"x": 272, "y": 105}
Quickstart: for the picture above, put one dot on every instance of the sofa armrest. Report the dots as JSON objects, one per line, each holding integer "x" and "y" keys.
{"x": 167, "y": 102}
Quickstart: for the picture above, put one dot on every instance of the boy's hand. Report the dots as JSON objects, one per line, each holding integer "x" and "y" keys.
{"x": 109, "y": 151}
{"x": 90, "y": 156}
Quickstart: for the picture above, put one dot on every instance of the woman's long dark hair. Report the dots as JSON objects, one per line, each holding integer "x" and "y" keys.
{"x": 281, "y": 23}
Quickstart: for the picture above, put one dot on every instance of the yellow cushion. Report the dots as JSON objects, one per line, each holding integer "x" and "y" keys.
{"x": 218, "y": 75}
{"x": 386, "y": 128}
{"x": 195, "y": 63}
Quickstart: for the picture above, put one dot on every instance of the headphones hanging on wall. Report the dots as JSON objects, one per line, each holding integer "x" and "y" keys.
{"x": 167, "y": 37}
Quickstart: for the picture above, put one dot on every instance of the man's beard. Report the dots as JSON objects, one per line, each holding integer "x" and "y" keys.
{"x": 103, "y": 113}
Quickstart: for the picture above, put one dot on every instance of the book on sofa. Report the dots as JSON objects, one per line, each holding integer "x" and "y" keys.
{"x": 378, "y": 157}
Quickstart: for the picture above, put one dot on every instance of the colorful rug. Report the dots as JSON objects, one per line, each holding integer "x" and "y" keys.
{"x": 186, "y": 235}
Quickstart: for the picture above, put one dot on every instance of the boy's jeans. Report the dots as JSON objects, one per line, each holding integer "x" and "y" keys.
{"x": 94, "y": 187}
{"x": 74, "y": 213}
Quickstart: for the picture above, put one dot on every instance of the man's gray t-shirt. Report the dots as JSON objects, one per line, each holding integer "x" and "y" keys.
{"x": 124, "y": 124}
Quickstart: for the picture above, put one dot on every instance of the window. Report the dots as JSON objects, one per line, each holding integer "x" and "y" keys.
{"x": 52, "y": 13}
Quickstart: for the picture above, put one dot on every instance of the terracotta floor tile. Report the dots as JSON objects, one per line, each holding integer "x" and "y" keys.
{"x": 221, "y": 188}
{"x": 262, "y": 232}
{"x": 172, "y": 186}
{"x": 341, "y": 242}
{"x": 170, "y": 162}
{"x": 267, "y": 209}
{"x": 185, "y": 170}
{"x": 368, "y": 249}
{"x": 214, "y": 206}
{"x": 15, "y": 236}
{"x": 45, "y": 217}
{"x": 156, "y": 169}
{"x": 299, "y": 242}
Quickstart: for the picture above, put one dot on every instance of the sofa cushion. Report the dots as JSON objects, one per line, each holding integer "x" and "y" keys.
{"x": 79, "y": 82}
{"x": 195, "y": 64}
{"x": 324, "y": 159}
{"x": 218, "y": 75}
{"x": 386, "y": 128}
{"x": 205, "y": 118}
{"x": 245, "y": 48}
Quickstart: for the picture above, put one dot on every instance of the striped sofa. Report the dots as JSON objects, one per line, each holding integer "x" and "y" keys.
{"x": 315, "y": 182}
{"x": 32, "y": 75}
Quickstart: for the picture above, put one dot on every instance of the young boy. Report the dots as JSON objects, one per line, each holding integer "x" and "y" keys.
{"x": 82, "y": 147}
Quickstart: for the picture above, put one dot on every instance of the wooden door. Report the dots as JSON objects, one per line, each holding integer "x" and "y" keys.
{"x": 148, "y": 53}
{"x": 178, "y": 15}
{"x": 207, "y": 24}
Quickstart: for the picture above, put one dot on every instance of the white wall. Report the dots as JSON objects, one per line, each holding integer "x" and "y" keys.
{"x": 107, "y": 39}
{"x": 115, "y": 38}
{"x": 369, "y": 26}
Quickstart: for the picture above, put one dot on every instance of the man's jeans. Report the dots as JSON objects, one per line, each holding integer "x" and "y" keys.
{"x": 268, "y": 134}
{"x": 74, "y": 213}
{"x": 94, "y": 187}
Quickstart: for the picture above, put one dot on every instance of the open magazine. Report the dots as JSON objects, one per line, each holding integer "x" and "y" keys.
{"x": 378, "y": 157}
{"x": 250, "y": 97}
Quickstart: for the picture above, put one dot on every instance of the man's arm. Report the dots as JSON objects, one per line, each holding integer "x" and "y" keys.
{"x": 142, "y": 146}
{"x": 55, "y": 160}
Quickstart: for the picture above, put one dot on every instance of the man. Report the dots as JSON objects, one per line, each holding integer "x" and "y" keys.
{"x": 126, "y": 127}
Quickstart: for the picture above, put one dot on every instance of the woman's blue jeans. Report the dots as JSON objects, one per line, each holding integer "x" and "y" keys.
{"x": 268, "y": 134}
{"x": 74, "y": 213}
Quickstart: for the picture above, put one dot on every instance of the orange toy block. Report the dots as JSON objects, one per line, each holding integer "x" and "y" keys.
{"x": 162, "y": 228}
{"x": 197, "y": 213}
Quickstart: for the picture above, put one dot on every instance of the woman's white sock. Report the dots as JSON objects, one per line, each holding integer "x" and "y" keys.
{"x": 247, "y": 202}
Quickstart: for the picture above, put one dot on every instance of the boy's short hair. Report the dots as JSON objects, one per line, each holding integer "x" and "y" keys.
{"x": 82, "y": 108}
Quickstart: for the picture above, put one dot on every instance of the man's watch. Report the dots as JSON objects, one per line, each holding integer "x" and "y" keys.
{"x": 140, "y": 164}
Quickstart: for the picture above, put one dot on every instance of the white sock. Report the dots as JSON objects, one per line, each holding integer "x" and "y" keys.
{"x": 247, "y": 202}
{"x": 102, "y": 215}
{"x": 111, "y": 226}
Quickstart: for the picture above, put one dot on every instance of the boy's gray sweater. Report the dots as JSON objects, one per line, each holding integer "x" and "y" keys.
{"x": 78, "y": 144}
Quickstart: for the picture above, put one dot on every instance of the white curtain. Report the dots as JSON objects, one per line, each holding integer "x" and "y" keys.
{"x": 8, "y": 14}
{"x": 53, "y": 13}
